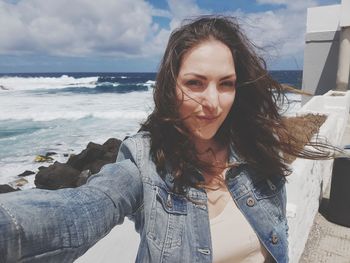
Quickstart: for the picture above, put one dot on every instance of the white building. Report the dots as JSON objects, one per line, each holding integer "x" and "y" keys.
{"x": 327, "y": 49}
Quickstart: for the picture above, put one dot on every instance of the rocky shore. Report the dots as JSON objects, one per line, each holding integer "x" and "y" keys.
{"x": 74, "y": 172}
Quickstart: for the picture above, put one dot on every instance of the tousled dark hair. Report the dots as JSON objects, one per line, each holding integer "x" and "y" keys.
{"x": 253, "y": 126}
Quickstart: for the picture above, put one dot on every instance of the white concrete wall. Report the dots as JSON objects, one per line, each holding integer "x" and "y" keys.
{"x": 328, "y": 18}
{"x": 321, "y": 51}
{"x": 323, "y": 18}
{"x": 320, "y": 63}
{"x": 309, "y": 177}
{"x": 344, "y": 13}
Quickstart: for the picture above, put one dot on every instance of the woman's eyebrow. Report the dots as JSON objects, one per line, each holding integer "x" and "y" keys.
{"x": 232, "y": 75}
{"x": 197, "y": 75}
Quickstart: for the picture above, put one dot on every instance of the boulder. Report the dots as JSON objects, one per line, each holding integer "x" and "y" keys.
{"x": 92, "y": 152}
{"x": 78, "y": 167}
{"x": 96, "y": 166}
{"x": 5, "y": 188}
{"x": 110, "y": 157}
{"x": 112, "y": 144}
{"x": 26, "y": 173}
{"x": 82, "y": 177}
{"x": 57, "y": 175}
{"x": 95, "y": 156}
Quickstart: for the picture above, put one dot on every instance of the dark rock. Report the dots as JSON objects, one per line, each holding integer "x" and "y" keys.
{"x": 57, "y": 175}
{"x": 83, "y": 176}
{"x": 110, "y": 157}
{"x": 112, "y": 144}
{"x": 95, "y": 166}
{"x": 101, "y": 154}
{"x": 41, "y": 168}
{"x": 91, "y": 153}
{"x": 5, "y": 188}
{"x": 65, "y": 154}
{"x": 26, "y": 173}
{"x": 50, "y": 153}
{"x": 79, "y": 167}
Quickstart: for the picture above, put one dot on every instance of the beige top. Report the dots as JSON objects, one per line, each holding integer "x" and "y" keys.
{"x": 233, "y": 239}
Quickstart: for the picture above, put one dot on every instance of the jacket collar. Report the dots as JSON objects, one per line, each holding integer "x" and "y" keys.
{"x": 234, "y": 158}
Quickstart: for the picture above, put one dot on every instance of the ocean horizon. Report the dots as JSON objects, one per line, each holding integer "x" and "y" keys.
{"x": 291, "y": 77}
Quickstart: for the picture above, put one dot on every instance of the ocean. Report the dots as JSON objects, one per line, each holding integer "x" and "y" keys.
{"x": 62, "y": 112}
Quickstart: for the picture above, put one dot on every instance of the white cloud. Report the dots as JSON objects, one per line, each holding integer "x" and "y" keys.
{"x": 181, "y": 9}
{"x": 280, "y": 32}
{"x": 291, "y": 4}
{"x": 161, "y": 13}
{"x": 88, "y": 27}
{"x": 272, "y": 2}
{"x": 301, "y": 5}
{"x": 178, "y": 10}
{"x": 75, "y": 28}
{"x": 125, "y": 28}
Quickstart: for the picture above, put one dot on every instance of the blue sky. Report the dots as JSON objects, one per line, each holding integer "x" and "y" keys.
{"x": 130, "y": 35}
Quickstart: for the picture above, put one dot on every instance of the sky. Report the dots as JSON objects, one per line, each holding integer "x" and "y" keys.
{"x": 131, "y": 35}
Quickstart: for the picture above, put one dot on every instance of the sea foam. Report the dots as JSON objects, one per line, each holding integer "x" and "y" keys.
{"x": 32, "y": 83}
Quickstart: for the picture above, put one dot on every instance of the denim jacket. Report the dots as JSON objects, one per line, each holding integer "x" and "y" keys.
{"x": 59, "y": 226}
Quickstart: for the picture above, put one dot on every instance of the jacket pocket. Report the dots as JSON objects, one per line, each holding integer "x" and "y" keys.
{"x": 167, "y": 219}
{"x": 268, "y": 188}
{"x": 270, "y": 195}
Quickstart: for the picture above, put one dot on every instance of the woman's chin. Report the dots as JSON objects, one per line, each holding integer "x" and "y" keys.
{"x": 199, "y": 136}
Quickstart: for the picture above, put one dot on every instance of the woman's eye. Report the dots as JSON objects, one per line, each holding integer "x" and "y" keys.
{"x": 230, "y": 84}
{"x": 194, "y": 83}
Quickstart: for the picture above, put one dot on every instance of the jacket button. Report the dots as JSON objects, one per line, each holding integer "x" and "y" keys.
{"x": 274, "y": 239}
{"x": 250, "y": 201}
{"x": 169, "y": 203}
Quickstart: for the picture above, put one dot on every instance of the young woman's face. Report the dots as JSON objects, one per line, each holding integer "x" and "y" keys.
{"x": 206, "y": 86}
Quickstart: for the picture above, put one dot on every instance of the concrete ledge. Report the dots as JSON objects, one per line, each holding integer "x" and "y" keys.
{"x": 327, "y": 36}
{"x": 310, "y": 178}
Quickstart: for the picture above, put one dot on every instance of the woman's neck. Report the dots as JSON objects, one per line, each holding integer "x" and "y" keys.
{"x": 212, "y": 152}
{"x": 203, "y": 146}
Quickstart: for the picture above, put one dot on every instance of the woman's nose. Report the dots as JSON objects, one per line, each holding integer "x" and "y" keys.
{"x": 211, "y": 99}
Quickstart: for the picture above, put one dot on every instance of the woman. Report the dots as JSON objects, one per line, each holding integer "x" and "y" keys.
{"x": 203, "y": 180}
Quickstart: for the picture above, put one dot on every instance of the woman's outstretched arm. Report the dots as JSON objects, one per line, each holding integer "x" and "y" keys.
{"x": 59, "y": 226}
